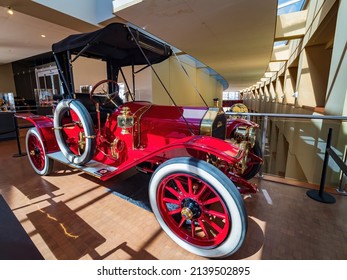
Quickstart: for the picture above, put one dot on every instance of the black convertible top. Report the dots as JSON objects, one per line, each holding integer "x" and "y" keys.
{"x": 115, "y": 43}
{"x": 118, "y": 44}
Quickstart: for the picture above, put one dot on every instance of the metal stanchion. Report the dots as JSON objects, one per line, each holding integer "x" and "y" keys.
{"x": 263, "y": 142}
{"x": 20, "y": 153}
{"x": 320, "y": 195}
{"x": 341, "y": 188}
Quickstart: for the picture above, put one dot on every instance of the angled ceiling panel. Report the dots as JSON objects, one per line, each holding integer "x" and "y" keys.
{"x": 233, "y": 37}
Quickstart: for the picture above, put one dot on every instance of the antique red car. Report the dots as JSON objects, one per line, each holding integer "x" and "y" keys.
{"x": 198, "y": 159}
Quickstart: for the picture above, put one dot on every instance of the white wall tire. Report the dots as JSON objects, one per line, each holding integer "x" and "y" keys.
{"x": 36, "y": 151}
{"x": 87, "y": 127}
{"x": 218, "y": 221}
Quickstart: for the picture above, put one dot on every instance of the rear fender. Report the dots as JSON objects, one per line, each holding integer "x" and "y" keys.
{"x": 44, "y": 126}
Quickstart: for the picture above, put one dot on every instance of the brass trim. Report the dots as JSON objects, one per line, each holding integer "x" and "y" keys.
{"x": 187, "y": 213}
{"x": 113, "y": 148}
{"x": 137, "y": 125}
{"x": 208, "y": 120}
{"x": 125, "y": 120}
{"x": 90, "y": 136}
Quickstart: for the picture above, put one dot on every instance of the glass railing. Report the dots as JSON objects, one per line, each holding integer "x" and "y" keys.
{"x": 294, "y": 146}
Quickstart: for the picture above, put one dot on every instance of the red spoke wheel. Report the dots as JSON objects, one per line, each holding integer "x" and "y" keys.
{"x": 198, "y": 207}
{"x": 38, "y": 159}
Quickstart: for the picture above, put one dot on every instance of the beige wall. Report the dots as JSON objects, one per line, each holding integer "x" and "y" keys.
{"x": 148, "y": 88}
{"x": 337, "y": 86}
{"x": 181, "y": 88}
{"x": 313, "y": 76}
{"x": 143, "y": 82}
{"x": 88, "y": 72}
{"x": 6, "y": 79}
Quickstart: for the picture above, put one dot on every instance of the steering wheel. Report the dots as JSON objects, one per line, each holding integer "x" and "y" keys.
{"x": 106, "y": 97}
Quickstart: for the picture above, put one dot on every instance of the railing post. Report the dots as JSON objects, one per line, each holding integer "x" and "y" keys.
{"x": 263, "y": 142}
{"x": 341, "y": 188}
{"x": 320, "y": 195}
{"x": 20, "y": 154}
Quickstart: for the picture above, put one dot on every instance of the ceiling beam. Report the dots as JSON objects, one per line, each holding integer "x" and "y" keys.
{"x": 291, "y": 26}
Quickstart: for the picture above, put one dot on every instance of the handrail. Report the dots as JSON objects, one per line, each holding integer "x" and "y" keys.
{"x": 329, "y": 152}
{"x": 294, "y": 116}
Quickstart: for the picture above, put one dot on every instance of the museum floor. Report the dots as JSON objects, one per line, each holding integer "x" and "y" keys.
{"x": 70, "y": 215}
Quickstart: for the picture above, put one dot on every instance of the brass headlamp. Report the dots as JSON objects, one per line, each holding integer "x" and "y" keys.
{"x": 244, "y": 133}
{"x": 125, "y": 120}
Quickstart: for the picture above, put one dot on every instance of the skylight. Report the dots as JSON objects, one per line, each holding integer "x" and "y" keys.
{"x": 289, "y": 6}
{"x": 286, "y": 7}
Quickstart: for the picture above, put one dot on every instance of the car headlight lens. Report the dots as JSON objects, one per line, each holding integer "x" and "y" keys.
{"x": 246, "y": 133}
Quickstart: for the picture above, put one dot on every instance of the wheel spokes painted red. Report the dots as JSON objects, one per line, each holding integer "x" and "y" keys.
{"x": 193, "y": 229}
{"x": 215, "y": 213}
{"x": 180, "y": 187}
{"x": 214, "y": 225}
{"x": 174, "y": 212}
{"x": 173, "y": 191}
{"x": 210, "y": 201}
{"x": 201, "y": 192}
{"x": 190, "y": 186}
{"x": 202, "y": 225}
{"x": 170, "y": 200}
{"x": 193, "y": 210}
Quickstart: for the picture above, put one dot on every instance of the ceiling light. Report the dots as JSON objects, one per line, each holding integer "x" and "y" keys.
{"x": 10, "y": 11}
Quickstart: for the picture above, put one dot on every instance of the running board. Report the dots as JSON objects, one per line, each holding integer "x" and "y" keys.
{"x": 94, "y": 168}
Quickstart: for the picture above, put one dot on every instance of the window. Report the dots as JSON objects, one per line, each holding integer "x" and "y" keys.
{"x": 231, "y": 95}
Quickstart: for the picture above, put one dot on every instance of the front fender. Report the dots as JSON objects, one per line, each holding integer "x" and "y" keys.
{"x": 44, "y": 126}
{"x": 202, "y": 145}
{"x": 224, "y": 150}
{"x": 217, "y": 147}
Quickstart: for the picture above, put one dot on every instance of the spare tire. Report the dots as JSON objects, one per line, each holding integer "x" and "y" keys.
{"x": 84, "y": 124}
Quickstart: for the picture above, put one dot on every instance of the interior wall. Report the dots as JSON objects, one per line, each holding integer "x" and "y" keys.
{"x": 272, "y": 87}
{"x": 6, "y": 79}
{"x": 88, "y": 72}
{"x": 314, "y": 74}
{"x": 24, "y": 74}
{"x": 290, "y": 84}
{"x": 336, "y": 101}
{"x": 148, "y": 87}
{"x": 181, "y": 88}
{"x": 279, "y": 89}
{"x": 143, "y": 83}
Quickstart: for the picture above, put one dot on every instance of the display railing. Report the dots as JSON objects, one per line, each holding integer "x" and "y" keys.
{"x": 293, "y": 147}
